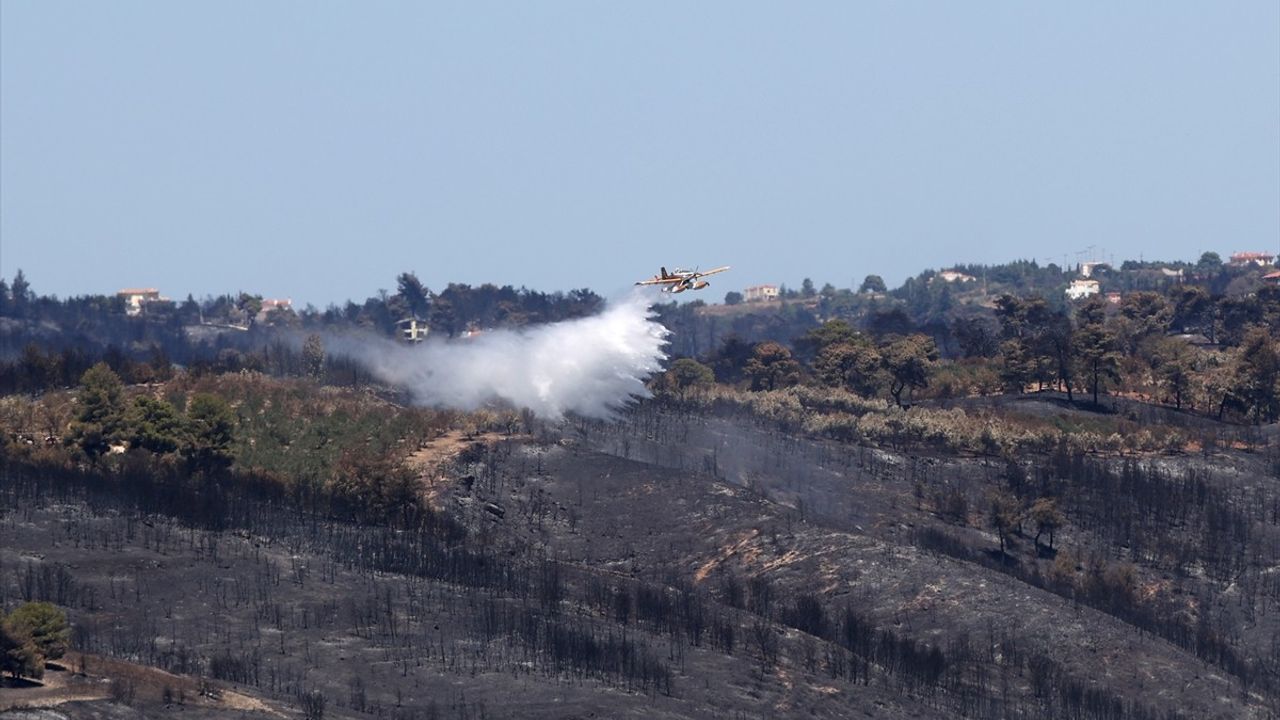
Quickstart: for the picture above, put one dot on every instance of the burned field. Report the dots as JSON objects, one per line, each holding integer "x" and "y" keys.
{"x": 680, "y": 565}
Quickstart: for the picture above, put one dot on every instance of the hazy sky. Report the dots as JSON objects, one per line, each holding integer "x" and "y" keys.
{"x": 315, "y": 150}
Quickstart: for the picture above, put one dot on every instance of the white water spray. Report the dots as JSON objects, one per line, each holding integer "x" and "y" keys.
{"x": 591, "y": 366}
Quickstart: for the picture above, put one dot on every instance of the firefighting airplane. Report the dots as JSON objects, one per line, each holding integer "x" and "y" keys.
{"x": 681, "y": 280}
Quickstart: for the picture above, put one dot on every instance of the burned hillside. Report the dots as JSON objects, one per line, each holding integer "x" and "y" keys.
{"x": 684, "y": 562}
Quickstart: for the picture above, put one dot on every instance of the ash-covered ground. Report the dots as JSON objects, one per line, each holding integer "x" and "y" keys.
{"x": 685, "y": 566}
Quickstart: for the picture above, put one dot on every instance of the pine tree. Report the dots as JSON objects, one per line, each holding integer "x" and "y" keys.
{"x": 100, "y": 413}
{"x": 47, "y": 626}
{"x": 210, "y": 433}
{"x": 1258, "y": 374}
{"x": 153, "y": 425}
{"x": 19, "y": 655}
{"x": 1096, "y": 345}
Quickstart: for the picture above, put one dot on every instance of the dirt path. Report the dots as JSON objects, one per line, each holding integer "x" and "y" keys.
{"x": 61, "y": 685}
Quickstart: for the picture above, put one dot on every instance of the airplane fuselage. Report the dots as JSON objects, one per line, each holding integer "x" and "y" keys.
{"x": 686, "y": 284}
{"x": 681, "y": 279}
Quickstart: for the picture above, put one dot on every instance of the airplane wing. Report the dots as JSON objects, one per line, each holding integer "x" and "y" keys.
{"x": 713, "y": 272}
{"x": 660, "y": 281}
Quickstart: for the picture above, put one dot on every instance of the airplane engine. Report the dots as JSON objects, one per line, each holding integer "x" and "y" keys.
{"x": 700, "y": 284}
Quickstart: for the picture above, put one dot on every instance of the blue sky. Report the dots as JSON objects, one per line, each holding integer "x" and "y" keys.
{"x": 315, "y": 150}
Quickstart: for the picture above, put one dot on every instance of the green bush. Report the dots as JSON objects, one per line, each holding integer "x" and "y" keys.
{"x": 47, "y": 626}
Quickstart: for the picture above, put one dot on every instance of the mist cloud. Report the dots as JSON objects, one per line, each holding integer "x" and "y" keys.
{"x": 590, "y": 366}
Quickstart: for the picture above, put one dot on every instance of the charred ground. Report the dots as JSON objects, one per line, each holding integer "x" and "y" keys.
{"x": 687, "y": 561}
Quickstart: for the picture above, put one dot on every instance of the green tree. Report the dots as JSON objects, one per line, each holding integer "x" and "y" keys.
{"x": 1174, "y": 362}
{"x": 154, "y": 425}
{"x": 1056, "y": 343}
{"x": 687, "y": 374}
{"x": 414, "y": 295}
{"x": 1192, "y": 310}
{"x": 1011, "y": 311}
{"x": 210, "y": 433}
{"x": 160, "y": 364}
{"x": 1017, "y": 366}
{"x": 47, "y": 626}
{"x": 771, "y": 367}
{"x": 829, "y": 333}
{"x": 250, "y": 305}
{"x": 190, "y": 311}
{"x": 19, "y": 655}
{"x": 976, "y": 336}
{"x": 909, "y": 361}
{"x": 1209, "y": 265}
{"x": 1004, "y": 516}
{"x": 1217, "y": 383}
{"x": 1047, "y": 518}
{"x": 872, "y": 283}
{"x": 807, "y": 289}
{"x": 1146, "y": 315}
{"x": 733, "y": 297}
{"x": 443, "y": 317}
{"x": 313, "y": 356}
{"x": 99, "y": 411}
{"x": 1096, "y": 345}
{"x": 1268, "y": 297}
{"x": 730, "y": 360}
{"x": 1034, "y": 336}
{"x": 1258, "y": 375}
{"x": 854, "y": 364}
{"x": 37, "y": 370}
{"x": 1235, "y": 315}
{"x": 20, "y": 294}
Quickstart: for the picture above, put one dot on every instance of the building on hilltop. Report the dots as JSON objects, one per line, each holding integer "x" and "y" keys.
{"x": 761, "y": 293}
{"x": 1261, "y": 259}
{"x": 136, "y": 298}
{"x": 270, "y": 305}
{"x": 956, "y": 276}
{"x": 1079, "y": 289}
{"x": 1090, "y": 269}
{"x": 1272, "y": 278}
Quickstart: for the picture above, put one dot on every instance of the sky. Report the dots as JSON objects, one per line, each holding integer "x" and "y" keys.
{"x": 315, "y": 150}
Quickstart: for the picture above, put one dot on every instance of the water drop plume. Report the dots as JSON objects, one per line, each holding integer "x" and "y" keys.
{"x": 590, "y": 366}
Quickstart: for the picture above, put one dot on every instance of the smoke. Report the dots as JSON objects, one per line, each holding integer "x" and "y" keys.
{"x": 591, "y": 366}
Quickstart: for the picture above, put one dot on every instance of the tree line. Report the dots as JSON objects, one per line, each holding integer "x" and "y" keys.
{"x": 1138, "y": 348}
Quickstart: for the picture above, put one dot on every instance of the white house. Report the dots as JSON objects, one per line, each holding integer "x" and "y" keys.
{"x": 135, "y": 298}
{"x": 758, "y": 293}
{"x": 956, "y": 276}
{"x": 1261, "y": 259}
{"x": 270, "y": 304}
{"x": 1082, "y": 289}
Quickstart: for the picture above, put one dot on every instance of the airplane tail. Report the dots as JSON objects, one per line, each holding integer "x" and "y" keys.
{"x": 664, "y": 273}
